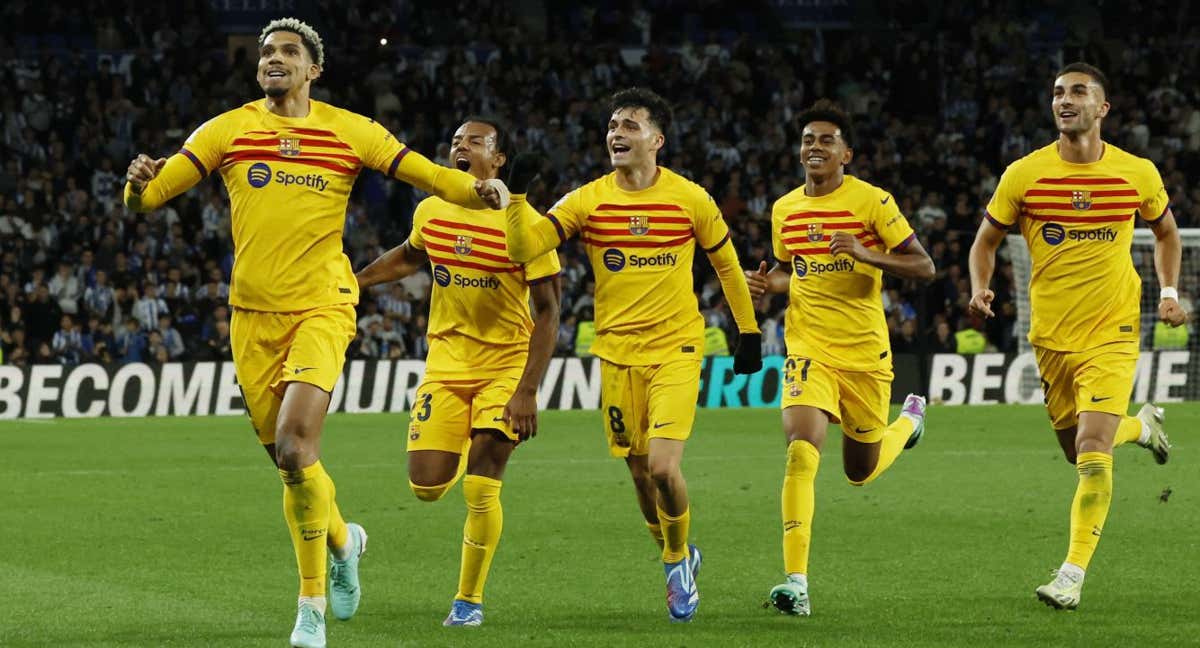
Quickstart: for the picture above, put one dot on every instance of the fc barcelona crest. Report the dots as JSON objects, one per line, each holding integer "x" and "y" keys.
{"x": 462, "y": 245}
{"x": 1081, "y": 200}
{"x": 289, "y": 146}
{"x": 639, "y": 225}
{"x": 816, "y": 232}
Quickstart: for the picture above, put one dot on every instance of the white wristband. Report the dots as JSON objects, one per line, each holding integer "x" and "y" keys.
{"x": 1168, "y": 293}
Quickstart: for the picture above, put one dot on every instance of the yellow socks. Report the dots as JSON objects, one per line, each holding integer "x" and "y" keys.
{"x": 1090, "y": 506}
{"x": 1128, "y": 431}
{"x": 481, "y": 534}
{"x": 890, "y": 446}
{"x": 799, "y": 476}
{"x": 675, "y": 534}
{"x": 338, "y": 533}
{"x": 656, "y": 533}
{"x": 307, "y": 501}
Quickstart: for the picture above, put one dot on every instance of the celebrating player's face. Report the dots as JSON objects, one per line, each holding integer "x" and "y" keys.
{"x": 473, "y": 149}
{"x": 632, "y": 137}
{"x": 1078, "y": 104}
{"x": 822, "y": 149}
{"x": 284, "y": 64}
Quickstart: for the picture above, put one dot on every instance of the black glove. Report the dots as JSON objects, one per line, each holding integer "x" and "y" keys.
{"x": 523, "y": 172}
{"x": 747, "y": 357}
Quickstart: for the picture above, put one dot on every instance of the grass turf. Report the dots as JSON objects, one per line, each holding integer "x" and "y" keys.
{"x": 168, "y": 532}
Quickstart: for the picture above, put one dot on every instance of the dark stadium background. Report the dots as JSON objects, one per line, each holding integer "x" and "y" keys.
{"x": 944, "y": 97}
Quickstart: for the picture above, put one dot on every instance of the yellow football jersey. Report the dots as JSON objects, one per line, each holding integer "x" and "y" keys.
{"x": 835, "y": 307}
{"x": 641, "y": 246}
{"x": 479, "y": 312}
{"x": 1077, "y": 220}
{"x": 289, "y": 179}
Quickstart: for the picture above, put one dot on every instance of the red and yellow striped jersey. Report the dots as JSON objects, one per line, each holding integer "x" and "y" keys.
{"x": 641, "y": 245}
{"x": 479, "y": 318}
{"x": 835, "y": 309}
{"x": 289, "y": 179}
{"x": 1078, "y": 222}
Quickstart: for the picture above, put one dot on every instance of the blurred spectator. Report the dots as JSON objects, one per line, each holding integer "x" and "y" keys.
{"x": 149, "y": 307}
{"x": 171, "y": 340}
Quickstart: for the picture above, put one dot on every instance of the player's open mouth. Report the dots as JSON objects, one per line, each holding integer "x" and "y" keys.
{"x": 1067, "y": 114}
{"x": 816, "y": 159}
{"x": 462, "y": 163}
{"x": 619, "y": 148}
{"x": 276, "y": 74}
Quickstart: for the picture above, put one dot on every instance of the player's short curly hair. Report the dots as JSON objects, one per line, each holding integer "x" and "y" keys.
{"x": 657, "y": 108}
{"x": 308, "y": 35}
{"x": 827, "y": 111}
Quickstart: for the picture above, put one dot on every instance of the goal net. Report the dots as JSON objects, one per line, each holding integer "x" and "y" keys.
{"x": 1170, "y": 372}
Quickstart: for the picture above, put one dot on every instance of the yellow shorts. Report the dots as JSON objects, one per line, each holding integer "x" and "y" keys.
{"x": 644, "y": 402}
{"x": 446, "y": 411}
{"x": 272, "y": 349}
{"x": 1096, "y": 380}
{"x": 859, "y": 400}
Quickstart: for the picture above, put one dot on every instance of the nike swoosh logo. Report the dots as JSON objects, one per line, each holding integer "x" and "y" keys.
{"x": 862, "y": 431}
{"x": 303, "y": 369}
{"x": 659, "y": 425}
{"x": 1097, "y": 400}
{"x": 499, "y": 419}
{"x": 885, "y": 200}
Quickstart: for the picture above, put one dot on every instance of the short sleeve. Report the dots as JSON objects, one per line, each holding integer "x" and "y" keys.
{"x": 777, "y": 245}
{"x": 1153, "y": 194}
{"x": 542, "y": 268}
{"x": 420, "y": 215}
{"x": 889, "y": 224}
{"x": 707, "y": 222}
{"x": 206, "y": 146}
{"x": 569, "y": 214}
{"x": 374, "y": 144}
{"x": 1005, "y": 205}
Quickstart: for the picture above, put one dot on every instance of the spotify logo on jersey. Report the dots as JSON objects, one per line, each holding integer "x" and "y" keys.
{"x": 1053, "y": 233}
{"x": 441, "y": 275}
{"x": 799, "y": 266}
{"x": 614, "y": 260}
{"x": 259, "y": 175}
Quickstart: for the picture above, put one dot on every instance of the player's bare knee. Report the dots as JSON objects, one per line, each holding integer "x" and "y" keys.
{"x": 1092, "y": 444}
{"x": 292, "y": 453}
{"x": 663, "y": 472}
{"x": 857, "y": 476}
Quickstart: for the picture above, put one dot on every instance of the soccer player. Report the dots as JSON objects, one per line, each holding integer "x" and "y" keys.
{"x": 834, "y": 237}
{"x": 288, "y": 163}
{"x": 1075, "y": 202}
{"x": 486, "y": 355}
{"x": 640, "y": 226}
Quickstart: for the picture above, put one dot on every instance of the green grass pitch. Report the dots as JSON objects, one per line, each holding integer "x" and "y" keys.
{"x": 168, "y": 532}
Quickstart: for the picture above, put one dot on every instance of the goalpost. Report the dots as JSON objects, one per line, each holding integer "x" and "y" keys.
{"x": 1160, "y": 371}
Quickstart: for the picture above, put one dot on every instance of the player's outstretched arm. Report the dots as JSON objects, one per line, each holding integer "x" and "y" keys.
{"x": 521, "y": 410}
{"x": 451, "y": 185}
{"x": 150, "y": 183}
{"x": 528, "y": 234}
{"x": 1168, "y": 255}
{"x": 983, "y": 263}
{"x": 397, "y": 263}
{"x": 747, "y": 357}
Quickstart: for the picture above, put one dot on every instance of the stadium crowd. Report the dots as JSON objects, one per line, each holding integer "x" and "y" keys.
{"x": 939, "y": 113}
